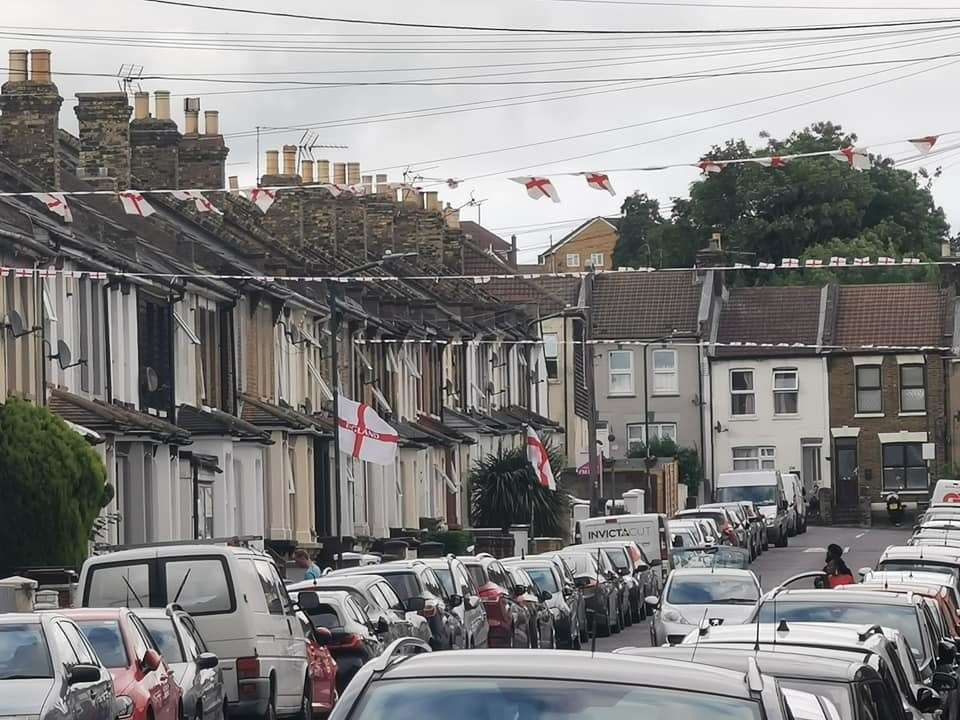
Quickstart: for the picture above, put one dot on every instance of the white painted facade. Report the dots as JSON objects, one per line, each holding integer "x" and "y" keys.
{"x": 764, "y": 438}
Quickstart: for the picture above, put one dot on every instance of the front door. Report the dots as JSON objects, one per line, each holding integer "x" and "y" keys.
{"x": 846, "y": 476}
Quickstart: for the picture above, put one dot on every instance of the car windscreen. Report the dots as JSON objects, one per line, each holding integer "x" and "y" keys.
{"x": 446, "y": 579}
{"x": 23, "y": 653}
{"x": 543, "y": 578}
{"x": 918, "y": 565}
{"x": 618, "y": 556}
{"x": 542, "y": 699}
{"x": 116, "y": 586}
{"x": 200, "y": 586}
{"x": 326, "y": 616}
{"x": 760, "y": 494}
{"x": 106, "y": 639}
{"x": 476, "y": 572}
{"x": 710, "y": 589}
{"x": 406, "y": 585}
{"x": 165, "y": 637}
{"x": 897, "y": 617}
{"x": 583, "y": 565}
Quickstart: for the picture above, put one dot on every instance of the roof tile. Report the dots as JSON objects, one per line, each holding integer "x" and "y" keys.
{"x": 893, "y": 314}
{"x": 645, "y": 305}
{"x": 770, "y": 315}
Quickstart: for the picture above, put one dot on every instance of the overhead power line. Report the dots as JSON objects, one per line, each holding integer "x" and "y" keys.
{"x": 558, "y": 31}
{"x": 760, "y": 6}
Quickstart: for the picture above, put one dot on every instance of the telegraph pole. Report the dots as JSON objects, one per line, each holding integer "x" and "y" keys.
{"x": 588, "y": 377}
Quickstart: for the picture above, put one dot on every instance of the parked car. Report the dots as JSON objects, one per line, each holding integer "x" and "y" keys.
{"x": 689, "y": 532}
{"x": 353, "y": 641}
{"x": 457, "y": 581}
{"x": 542, "y": 632}
{"x": 601, "y": 594}
{"x": 756, "y": 518}
{"x": 572, "y": 592}
{"x": 378, "y": 600}
{"x": 922, "y": 558}
{"x": 323, "y": 668}
{"x": 195, "y": 668}
{"x": 766, "y": 489}
{"x": 720, "y": 516}
{"x": 505, "y": 617}
{"x": 640, "y": 574}
{"x": 747, "y": 535}
{"x": 547, "y": 577}
{"x": 630, "y": 586}
{"x": 48, "y": 671}
{"x": 420, "y": 590}
{"x": 695, "y": 597}
{"x": 539, "y": 684}
{"x": 651, "y": 531}
{"x": 145, "y": 686}
{"x": 238, "y": 602}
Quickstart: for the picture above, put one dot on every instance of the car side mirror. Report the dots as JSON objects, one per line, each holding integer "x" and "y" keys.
{"x": 382, "y": 625}
{"x": 455, "y": 601}
{"x": 928, "y": 700}
{"x": 545, "y": 596}
{"x": 308, "y": 601}
{"x": 651, "y": 600}
{"x": 400, "y": 607}
{"x": 151, "y": 660}
{"x": 415, "y": 604}
{"x": 323, "y": 636}
{"x": 471, "y": 602}
{"x": 207, "y": 661}
{"x": 946, "y": 652}
{"x": 83, "y": 674}
{"x": 518, "y": 589}
{"x": 944, "y": 682}
{"x": 863, "y": 572}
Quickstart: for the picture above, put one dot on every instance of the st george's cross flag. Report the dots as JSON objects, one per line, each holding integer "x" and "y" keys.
{"x": 538, "y": 187}
{"x": 200, "y": 202}
{"x": 537, "y": 455}
{"x": 364, "y": 435}
{"x": 600, "y": 181}
{"x": 56, "y": 203}
{"x": 135, "y": 204}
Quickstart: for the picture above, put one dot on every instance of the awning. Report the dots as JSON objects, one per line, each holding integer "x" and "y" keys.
{"x": 464, "y": 422}
{"x": 211, "y": 422}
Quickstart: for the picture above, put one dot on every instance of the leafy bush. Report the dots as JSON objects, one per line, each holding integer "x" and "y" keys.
{"x": 53, "y": 488}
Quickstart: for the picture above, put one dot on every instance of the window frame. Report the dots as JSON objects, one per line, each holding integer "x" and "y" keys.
{"x": 630, "y": 373}
{"x": 922, "y": 386}
{"x": 752, "y": 392}
{"x": 859, "y": 388}
{"x": 905, "y": 467}
{"x": 576, "y": 257}
{"x": 551, "y": 363}
{"x": 593, "y": 259}
{"x": 227, "y": 578}
{"x": 674, "y": 373}
{"x": 759, "y": 456}
{"x": 657, "y": 426}
{"x": 781, "y": 392}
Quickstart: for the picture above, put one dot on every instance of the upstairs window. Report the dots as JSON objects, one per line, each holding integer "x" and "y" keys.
{"x": 743, "y": 400}
{"x": 665, "y": 380}
{"x": 786, "y": 390}
{"x": 621, "y": 372}
{"x": 551, "y": 355}
{"x": 913, "y": 390}
{"x": 573, "y": 259}
{"x": 869, "y": 389}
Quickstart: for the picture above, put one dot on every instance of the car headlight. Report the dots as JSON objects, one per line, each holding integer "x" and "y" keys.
{"x": 125, "y": 706}
{"x": 673, "y": 616}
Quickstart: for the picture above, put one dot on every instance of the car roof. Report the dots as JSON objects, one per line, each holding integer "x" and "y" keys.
{"x": 925, "y": 552}
{"x": 829, "y": 635}
{"x": 337, "y": 596}
{"x": 25, "y": 618}
{"x": 93, "y": 613}
{"x": 534, "y": 561}
{"x": 714, "y": 572}
{"x": 568, "y": 665}
{"x": 384, "y": 569}
{"x": 154, "y": 551}
{"x": 931, "y": 577}
{"x": 847, "y": 597}
{"x": 771, "y": 662}
{"x": 150, "y": 613}
{"x": 918, "y": 587}
{"x": 361, "y": 581}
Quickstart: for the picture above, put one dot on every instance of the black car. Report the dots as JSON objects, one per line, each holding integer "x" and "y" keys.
{"x": 561, "y": 603}
{"x": 421, "y": 591}
{"x": 410, "y": 683}
{"x": 543, "y": 631}
{"x": 601, "y": 590}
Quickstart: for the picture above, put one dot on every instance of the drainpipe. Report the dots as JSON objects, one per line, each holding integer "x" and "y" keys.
{"x": 106, "y": 341}
{"x": 703, "y": 441}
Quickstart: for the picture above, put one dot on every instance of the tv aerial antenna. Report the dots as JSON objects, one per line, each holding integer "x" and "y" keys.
{"x": 129, "y": 77}
{"x": 310, "y": 141}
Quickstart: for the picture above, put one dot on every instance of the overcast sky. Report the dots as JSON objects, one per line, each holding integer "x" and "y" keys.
{"x": 311, "y": 51}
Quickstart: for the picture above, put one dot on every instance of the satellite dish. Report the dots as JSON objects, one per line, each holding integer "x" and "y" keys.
{"x": 16, "y": 325}
{"x": 151, "y": 378}
{"x": 63, "y": 356}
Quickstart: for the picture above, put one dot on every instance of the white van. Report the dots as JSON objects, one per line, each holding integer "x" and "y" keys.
{"x": 793, "y": 490}
{"x": 651, "y": 531}
{"x": 239, "y": 603}
{"x": 766, "y": 489}
{"x": 946, "y": 491}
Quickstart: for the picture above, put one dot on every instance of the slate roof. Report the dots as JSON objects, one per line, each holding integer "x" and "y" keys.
{"x": 209, "y": 421}
{"x": 770, "y": 315}
{"x": 628, "y": 305}
{"x": 893, "y": 314}
{"x": 528, "y": 417}
{"x": 113, "y": 419}
{"x": 485, "y": 239}
{"x": 549, "y": 294}
{"x": 267, "y": 415}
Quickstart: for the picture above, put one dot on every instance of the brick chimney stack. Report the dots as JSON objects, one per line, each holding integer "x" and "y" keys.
{"x": 29, "y": 117}
{"x": 202, "y": 157}
{"x": 104, "y": 120}
{"x": 277, "y": 176}
{"x": 154, "y": 144}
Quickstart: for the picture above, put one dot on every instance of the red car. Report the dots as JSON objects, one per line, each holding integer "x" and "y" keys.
{"x": 146, "y": 688}
{"x": 323, "y": 668}
{"x": 508, "y": 621}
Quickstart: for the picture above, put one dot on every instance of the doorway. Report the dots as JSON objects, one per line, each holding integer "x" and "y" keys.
{"x": 846, "y": 472}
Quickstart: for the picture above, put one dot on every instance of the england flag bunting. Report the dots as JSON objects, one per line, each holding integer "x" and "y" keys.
{"x": 56, "y": 203}
{"x": 364, "y": 435}
{"x": 134, "y": 204}
{"x": 854, "y": 157}
{"x": 538, "y": 187}
{"x": 600, "y": 181}
{"x": 924, "y": 144}
{"x": 886, "y": 261}
{"x": 790, "y": 263}
{"x": 775, "y": 161}
{"x": 538, "y": 457}
{"x": 709, "y": 166}
{"x": 263, "y": 198}
{"x": 202, "y": 204}
{"x": 911, "y": 261}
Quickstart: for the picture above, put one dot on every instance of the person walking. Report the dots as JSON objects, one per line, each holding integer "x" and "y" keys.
{"x": 836, "y": 569}
{"x": 302, "y": 559}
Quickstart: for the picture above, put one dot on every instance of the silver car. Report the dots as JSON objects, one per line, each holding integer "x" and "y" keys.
{"x": 456, "y": 580}
{"x": 48, "y": 671}
{"x": 196, "y": 669}
{"x": 700, "y": 596}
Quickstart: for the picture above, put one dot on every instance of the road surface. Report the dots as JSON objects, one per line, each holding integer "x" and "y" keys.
{"x": 805, "y": 552}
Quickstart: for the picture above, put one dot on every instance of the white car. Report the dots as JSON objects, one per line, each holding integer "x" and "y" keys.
{"x": 694, "y": 597}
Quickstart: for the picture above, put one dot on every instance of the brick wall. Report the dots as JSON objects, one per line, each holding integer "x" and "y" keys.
{"x": 599, "y": 237}
{"x": 842, "y": 378}
{"x": 202, "y": 162}
{"x": 155, "y": 154}
{"x": 104, "y": 123}
{"x": 28, "y": 128}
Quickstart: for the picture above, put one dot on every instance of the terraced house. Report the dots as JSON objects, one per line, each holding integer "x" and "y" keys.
{"x": 208, "y": 396}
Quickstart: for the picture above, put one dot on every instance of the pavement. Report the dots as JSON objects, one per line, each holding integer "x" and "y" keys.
{"x": 862, "y": 548}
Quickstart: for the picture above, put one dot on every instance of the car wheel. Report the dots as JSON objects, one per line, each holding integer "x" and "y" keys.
{"x": 783, "y": 540}
{"x": 271, "y": 713}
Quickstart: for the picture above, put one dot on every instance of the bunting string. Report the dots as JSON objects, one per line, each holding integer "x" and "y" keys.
{"x": 732, "y": 344}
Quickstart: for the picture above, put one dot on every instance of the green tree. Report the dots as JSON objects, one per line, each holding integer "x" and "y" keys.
{"x": 807, "y": 206}
{"x": 53, "y": 487}
{"x": 504, "y": 488}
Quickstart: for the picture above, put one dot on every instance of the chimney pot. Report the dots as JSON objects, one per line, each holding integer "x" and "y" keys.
{"x": 306, "y": 172}
{"x": 452, "y": 217}
{"x": 367, "y": 184}
{"x": 353, "y": 173}
{"x": 339, "y": 173}
{"x": 321, "y": 171}
{"x": 431, "y": 201}
{"x": 161, "y": 101}
{"x": 211, "y": 122}
{"x": 18, "y": 66}
{"x": 273, "y": 162}
{"x": 40, "y": 66}
{"x": 191, "y": 123}
{"x": 234, "y": 184}
{"x": 289, "y": 159}
{"x": 141, "y": 105}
